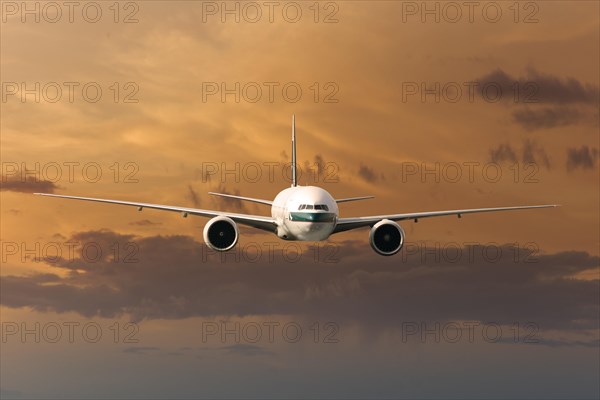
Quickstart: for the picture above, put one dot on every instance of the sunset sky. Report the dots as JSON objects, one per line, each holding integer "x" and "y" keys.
{"x": 425, "y": 105}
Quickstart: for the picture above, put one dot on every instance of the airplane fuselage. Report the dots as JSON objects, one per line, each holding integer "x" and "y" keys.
{"x": 304, "y": 213}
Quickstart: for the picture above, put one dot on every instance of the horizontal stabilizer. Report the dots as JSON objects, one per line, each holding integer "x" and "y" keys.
{"x": 354, "y": 199}
{"x": 231, "y": 196}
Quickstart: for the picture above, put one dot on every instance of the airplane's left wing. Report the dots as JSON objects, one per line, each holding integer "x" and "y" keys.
{"x": 346, "y": 224}
{"x": 256, "y": 221}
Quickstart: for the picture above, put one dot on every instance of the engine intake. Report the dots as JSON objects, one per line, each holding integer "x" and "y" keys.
{"x": 386, "y": 237}
{"x": 221, "y": 233}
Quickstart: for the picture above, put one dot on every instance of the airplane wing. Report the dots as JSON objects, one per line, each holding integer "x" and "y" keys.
{"x": 256, "y": 221}
{"x": 346, "y": 224}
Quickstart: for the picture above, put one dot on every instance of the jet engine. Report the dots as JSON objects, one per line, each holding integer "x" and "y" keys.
{"x": 221, "y": 233}
{"x": 386, "y": 237}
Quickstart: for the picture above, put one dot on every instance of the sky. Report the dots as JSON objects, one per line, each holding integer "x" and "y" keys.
{"x": 425, "y": 105}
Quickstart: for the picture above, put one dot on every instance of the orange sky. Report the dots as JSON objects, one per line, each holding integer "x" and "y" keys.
{"x": 166, "y": 129}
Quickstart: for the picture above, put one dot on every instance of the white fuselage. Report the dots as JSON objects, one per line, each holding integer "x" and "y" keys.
{"x": 304, "y": 213}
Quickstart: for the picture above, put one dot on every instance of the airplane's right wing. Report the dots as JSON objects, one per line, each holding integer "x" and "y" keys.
{"x": 256, "y": 221}
{"x": 346, "y": 224}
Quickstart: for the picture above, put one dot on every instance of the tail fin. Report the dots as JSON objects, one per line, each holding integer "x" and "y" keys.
{"x": 294, "y": 179}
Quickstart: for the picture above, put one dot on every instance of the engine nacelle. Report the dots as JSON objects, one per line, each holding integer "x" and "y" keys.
{"x": 386, "y": 237}
{"x": 221, "y": 233}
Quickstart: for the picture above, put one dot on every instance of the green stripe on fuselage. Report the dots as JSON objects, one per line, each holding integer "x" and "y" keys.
{"x": 312, "y": 217}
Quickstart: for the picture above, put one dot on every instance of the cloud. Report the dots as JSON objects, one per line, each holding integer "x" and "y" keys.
{"x": 536, "y": 87}
{"x": 504, "y": 152}
{"x": 140, "y": 350}
{"x": 583, "y": 157}
{"x": 569, "y": 343}
{"x": 530, "y": 152}
{"x": 535, "y": 154}
{"x": 175, "y": 277}
{"x": 144, "y": 222}
{"x": 193, "y": 196}
{"x": 548, "y": 117}
{"x": 548, "y": 101}
{"x": 318, "y": 171}
{"x": 244, "y": 349}
{"x": 367, "y": 173}
{"x": 28, "y": 185}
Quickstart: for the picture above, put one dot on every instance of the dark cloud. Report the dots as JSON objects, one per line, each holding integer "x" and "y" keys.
{"x": 536, "y": 87}
{"x": 504, "y": 152}
{"x": 369, "y": 174}
{"x": 535, "y": 154}
{"x": 583, "y": 157}
{"x": 59, "y": 236}
{"x": 28, "y": 185}
{"x": 144, "y": 222}
{"x": 320, "y": 165}
{"x": 317, "y": 171}
{"x": 177, "y": 277}
{"x": 530, "y": 153}
{"x": 560, "y": 102}
{"x": 547, "y": 117}
{"x": 193, "y": 196}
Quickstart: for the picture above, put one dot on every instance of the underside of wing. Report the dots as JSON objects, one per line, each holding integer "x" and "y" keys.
{"x": 346, "y": 224}
{"x": 256, "y": 221}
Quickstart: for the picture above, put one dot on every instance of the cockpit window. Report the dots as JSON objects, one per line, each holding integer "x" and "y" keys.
{"x": 315, "y": 207}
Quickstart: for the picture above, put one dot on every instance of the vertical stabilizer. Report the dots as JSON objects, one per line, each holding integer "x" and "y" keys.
{"x": 294, "y": 181}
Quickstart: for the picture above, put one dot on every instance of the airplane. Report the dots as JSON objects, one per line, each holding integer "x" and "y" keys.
{"x": 303, "y": 213}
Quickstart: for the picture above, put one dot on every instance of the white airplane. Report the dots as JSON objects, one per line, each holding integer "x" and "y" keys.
{"x": 306, "y": 213}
